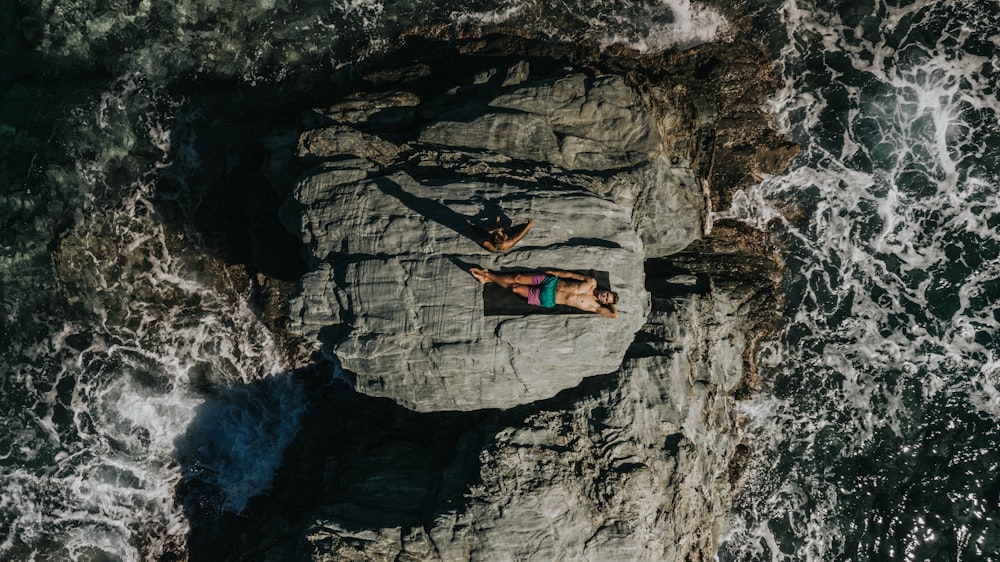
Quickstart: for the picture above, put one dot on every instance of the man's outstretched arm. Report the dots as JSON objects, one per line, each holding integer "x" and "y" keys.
{"x": 524, "y": 230}
{"x": 568, "y": 275}
{"x": 608, "y": 311}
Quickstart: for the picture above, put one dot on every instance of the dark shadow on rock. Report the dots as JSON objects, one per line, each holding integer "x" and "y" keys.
{"x": 333, "y": 334}
{"x": 358, "y": 463}
{"x": 667, "y": 283}
{"x": 240, "y": 217}
{"x": 665, "y": 280}
{"x": 492, "y": 210}
{"x": 464, "y": 266}
{"x": 366, "y": 463}
{"x": 672, "y": 443}
{"x": 597, "y": 242}
{"x": 428, "y": 208}
{"x": 394, "y": 124}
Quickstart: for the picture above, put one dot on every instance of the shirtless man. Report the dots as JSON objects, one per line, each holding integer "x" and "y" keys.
{"x": 555, "y": 287}
{"x": 497, "y": 239}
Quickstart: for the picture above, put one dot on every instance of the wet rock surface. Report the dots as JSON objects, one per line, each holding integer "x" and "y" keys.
{"x": 477, "y": 438}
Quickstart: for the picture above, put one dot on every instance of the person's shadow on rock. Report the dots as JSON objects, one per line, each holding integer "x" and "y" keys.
{"x": 429, "y": 208}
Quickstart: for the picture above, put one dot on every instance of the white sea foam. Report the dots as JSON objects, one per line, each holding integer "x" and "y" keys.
{"x": 239, "y": 436}
{"x": 655, "y": 25}
{"x": 892, "y": 275}
{"x": 691, "y": 25}
{"x": 91, "y": 465}
{"x": 751, "y": 207}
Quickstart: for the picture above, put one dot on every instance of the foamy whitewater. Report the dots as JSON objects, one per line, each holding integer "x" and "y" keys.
{"x": 107, "y": 412}
{"x": 878, "y": 437}
{"x": 126, "y": 369}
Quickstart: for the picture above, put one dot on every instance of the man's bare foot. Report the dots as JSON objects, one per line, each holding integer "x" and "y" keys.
{"x": 481, "y": 275}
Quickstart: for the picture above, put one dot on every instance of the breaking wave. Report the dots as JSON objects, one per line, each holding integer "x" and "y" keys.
{"x": 878, "y": 438}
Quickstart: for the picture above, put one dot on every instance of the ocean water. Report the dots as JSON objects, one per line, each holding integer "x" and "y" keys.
{"x": 877, "y": 436}
{"x": 127, "y": 366}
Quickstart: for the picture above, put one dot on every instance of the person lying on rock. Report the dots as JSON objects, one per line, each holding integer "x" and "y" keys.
{"x": 550, "y": 288}
{"x": 497, "y": 239}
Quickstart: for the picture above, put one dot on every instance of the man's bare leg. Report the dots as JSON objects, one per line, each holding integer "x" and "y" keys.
{"x": 481, "y": 275}
{"x": 505, "y": 280}
{"x": 519, "y": 283}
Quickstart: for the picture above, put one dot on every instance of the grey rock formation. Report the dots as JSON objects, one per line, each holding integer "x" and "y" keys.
{"x": 575, "y": 122}
{"x": 492, "y": 437}
{"x": 639, "y": 465}
{"x": 390, "y": 293}
{"x": 393, "y": 283}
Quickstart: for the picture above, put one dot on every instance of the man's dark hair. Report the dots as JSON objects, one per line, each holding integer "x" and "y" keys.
{"x": 614, "y": 295}
{"x": 497, "y": 237}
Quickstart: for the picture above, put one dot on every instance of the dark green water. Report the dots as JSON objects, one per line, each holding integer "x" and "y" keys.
{"x": 877, "y": 438}
{"x": 880, "y": 426}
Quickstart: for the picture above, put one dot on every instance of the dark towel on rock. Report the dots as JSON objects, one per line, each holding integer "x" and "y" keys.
{"x": 498, "y": 301}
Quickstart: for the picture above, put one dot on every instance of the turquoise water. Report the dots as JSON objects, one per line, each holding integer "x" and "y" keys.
{"x": 875, "y": 439}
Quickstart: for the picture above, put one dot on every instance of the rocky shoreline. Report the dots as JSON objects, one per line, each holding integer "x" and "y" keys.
{"x": 469, "y": 437}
